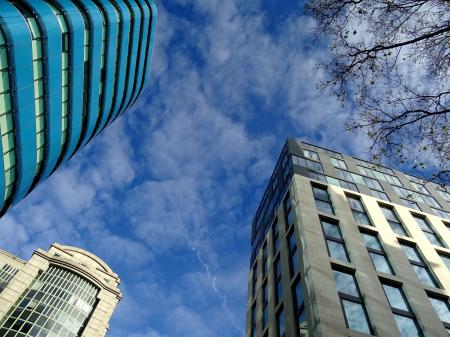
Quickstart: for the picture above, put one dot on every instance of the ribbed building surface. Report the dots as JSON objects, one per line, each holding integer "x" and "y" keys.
{"x": 63, "y": 292}
{"x": 68, "y": 68}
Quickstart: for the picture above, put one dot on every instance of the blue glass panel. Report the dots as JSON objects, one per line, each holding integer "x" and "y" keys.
{"x": 110, "y": 66}
{"x": 96, "y": 27}
{"x": 19, "y": 36}
{"x": 76, "y": 27}
{"x": 53, "y": 117}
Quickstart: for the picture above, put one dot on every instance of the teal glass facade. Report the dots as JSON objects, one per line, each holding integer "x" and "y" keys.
{"x": 68, "y": 69}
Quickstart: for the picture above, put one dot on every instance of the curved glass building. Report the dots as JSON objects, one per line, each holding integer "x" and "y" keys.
{"x": 68, "y": 68}
{"x": 63, "y": 292}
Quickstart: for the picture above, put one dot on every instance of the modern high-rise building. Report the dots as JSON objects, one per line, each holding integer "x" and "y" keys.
{"x": 62, "y": 292}
{"x": 68, "y": 68}
{"x": 342, "y": 247}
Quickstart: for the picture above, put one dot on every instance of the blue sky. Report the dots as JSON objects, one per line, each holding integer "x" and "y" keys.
{"x": 166, "y": 195}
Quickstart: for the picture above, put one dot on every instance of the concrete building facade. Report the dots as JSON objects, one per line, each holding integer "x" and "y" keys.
{"x": 342, "y": 247}
{"x": 62, "y": 292}
{"x": 68, "y": 69}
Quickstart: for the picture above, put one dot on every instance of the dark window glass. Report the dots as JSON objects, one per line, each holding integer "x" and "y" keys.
{"x": 321, "y": 194}
{"x": 254, "y": 320}
{"x": 281, "y": 324}
{"x": 380, "y": 262}
{"x": 362, "y": 218}
{"x": 359, "y": 213}
{"x": 265, "y": 259}
{"x": 345, "y": 283}
{"x": 335, "y": 243}
{"x": 276, "y": 238}
{"x": 371, "y": 241}
{"x": 324, "y": 207}
{"x": 442, "y": 309}
{"x": 428, "y": 231}
{"x": 323, "y": 201}
{"x": 393, "y": 221}
{"x": 398, "y": 228}
{"x": 408, "y": 326}
{"x": 418, "y": 264}
{"x": 411, "y": 253}
{"x": 404, "y": 317}
{"x": 424, "y": 275}
{"x": 265, "y": 319}
{"x": 337, "y": 250}
{"x": 278, "y": 285}
{"x": 380, "y": 195}
{"x": 446, "y": 260}
{"x": 377, "y": 253}
{"x": 299, "y": 303}
{"x": 255, "y": 279}
{"x": 356, "y": 318}
{"x": 331, "y": 229}
{"x": 352, "y": 302}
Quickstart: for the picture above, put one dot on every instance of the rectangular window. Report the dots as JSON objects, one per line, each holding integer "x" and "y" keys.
{"x": 379, "y": 194}
{"x": 323, "y": 201}
{"x": 333, "y": 181}
{"x": 431, "y": 235}
{"x": 358, "y": 210}
{"x": 278, "y": 285}
{"x": 276, "y": 238}
{"x": 293, "y": 254}
{"x": 7, "y": 273}
{"x": 430, "y": 201}
{"x": 265, "y": 318}
{"x": 281, "y": 324}
{"x": 265, "y": 259}
{"x": 338, "y": 163}
{"x": 442, "y": 309}
{"x": 311, "y": 155}
{"x": 345, "y": 175}
{"x": 422, "y": 271}
{"x": 288, "y": 211}
{"x": 420, "y": 188}
{"x": 352, "y": 303}
{"x": 372, "y": 183}
{"x": 445, "y": 195}
{"x": 254, "y": 279}
{"x": 404, "y": 317}
{"x": 396, "y": 226}
{"x": 411, "y": 204}
{"x": 299, "y": 305}
{"x": 312, "y": 165}
{"x": 377, "y": 254}
{"x": 254, "y": 320}
{"x": 333, "y": 154}
{"x": 446, "y": 260}
{"x": 335, "y": 242}
{"x": 441, "y": 213}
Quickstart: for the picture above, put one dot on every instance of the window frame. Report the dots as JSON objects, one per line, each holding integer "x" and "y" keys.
{"x": 421, "y": 263}
{"x": 278, "y": 277}
{"x": 397, "y": 221}
{"x": 363, "y": 207}
{"x": 400, "y": 312}
{"x": 381, "y": 252}
{"x": 321, "y": 199}
{"x": 351, "y": 298}
{"x": 429, "y": 230}
{"x": 444, "y": 299}
{"x": 339, "y": 240}
{"x": 293, "y": 252}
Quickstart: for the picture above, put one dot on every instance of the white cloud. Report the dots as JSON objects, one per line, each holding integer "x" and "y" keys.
{"x": 180, "y": 174}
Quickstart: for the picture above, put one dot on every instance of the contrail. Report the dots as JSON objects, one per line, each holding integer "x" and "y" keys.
{"x": 212, "y": 278}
